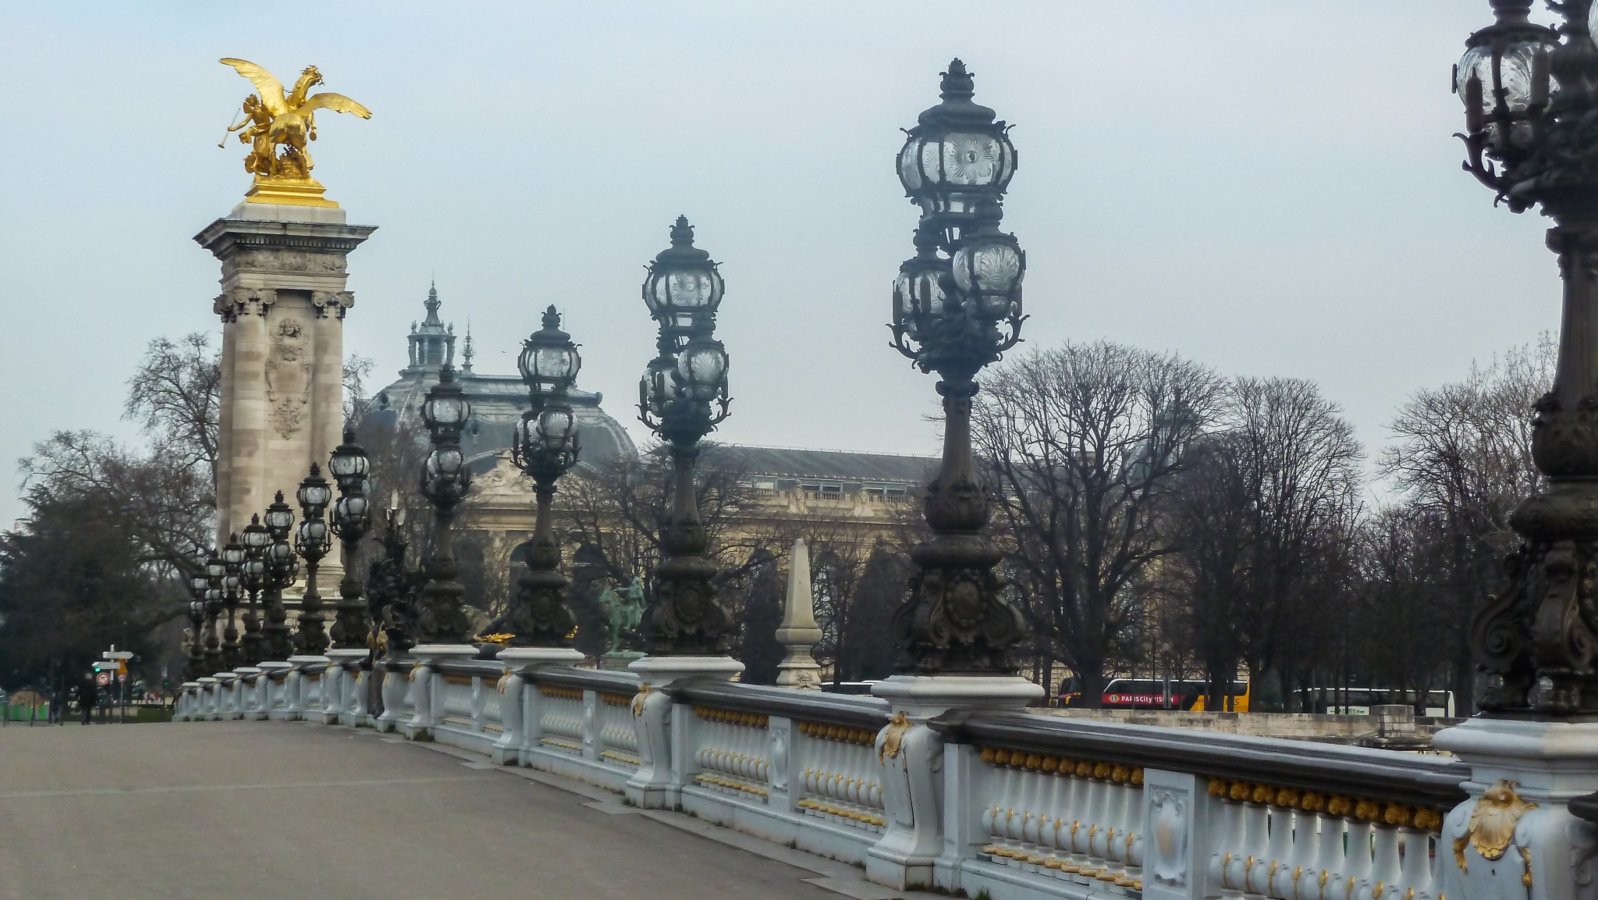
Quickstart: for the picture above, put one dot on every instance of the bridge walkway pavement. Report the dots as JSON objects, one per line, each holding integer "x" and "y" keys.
{"x": 266, "y": 810}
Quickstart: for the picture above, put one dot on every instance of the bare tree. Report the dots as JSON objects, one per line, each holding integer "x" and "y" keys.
{"x": 175, "y": 394}
{"x": 1084, "y": 440}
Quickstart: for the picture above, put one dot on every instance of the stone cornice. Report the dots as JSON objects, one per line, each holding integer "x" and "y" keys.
{"x": 224, "y": 237}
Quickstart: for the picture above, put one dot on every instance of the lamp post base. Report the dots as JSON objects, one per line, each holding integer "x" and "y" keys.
{"x": 910, "y": 754}
{"x": 426, "y": 695}
{"x": 1524, "y": 773}
{"x": 339, "y": 686}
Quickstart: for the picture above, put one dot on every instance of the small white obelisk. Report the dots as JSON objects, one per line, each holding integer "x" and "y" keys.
{"x": 798, "y": 633}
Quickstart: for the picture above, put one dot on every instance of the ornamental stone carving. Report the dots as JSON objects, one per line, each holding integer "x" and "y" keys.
{"x": 288, "y": 376}
{"x": 229, "y": 305}
{"x": 1168, "y": 823}
{"x": 336, "y": 303}
{"x": 272, "y": 259}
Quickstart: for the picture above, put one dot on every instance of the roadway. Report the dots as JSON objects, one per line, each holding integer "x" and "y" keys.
{"x": 289, "y": 810}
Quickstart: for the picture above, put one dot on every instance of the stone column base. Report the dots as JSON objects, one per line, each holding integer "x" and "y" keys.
{"x": 662, "y": 739}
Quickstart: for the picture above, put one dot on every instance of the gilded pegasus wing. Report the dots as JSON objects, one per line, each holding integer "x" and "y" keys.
{"x": 335, "y": 102}
{"x": 270, "y": 89}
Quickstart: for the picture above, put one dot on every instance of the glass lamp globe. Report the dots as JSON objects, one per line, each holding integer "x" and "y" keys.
{"x": 446, "y": 408}
{"x": 988, "y": 268}
{"x": 918, "y": 293}
{"x": 348, "y": 463}
{"x": 549, "y": 361}
{"x": 314, "y": 493}
{"x": 1512, "y": 56}
{"x": 313, "y": 533}
{"x": 214, "y": 569}
{"x": 556, "y": 428}
{"x": 682, "y": 284}
{"x": 352, "y": 511}
{"x": 702, "y": 369}
{"x": 957, "y": 155}
{"x": 255, "y": 537}
{"x": 279, "y": 518}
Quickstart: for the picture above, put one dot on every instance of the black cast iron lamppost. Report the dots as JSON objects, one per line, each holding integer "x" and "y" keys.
{"x": 232, "y": 577}
{"x": 312, "y": 543}
{"x": 256, "y": 540}
{"x": 199, "y": 583}
{"x": 351, "y": 520}
{"x": 957, "y": 308}
{"x": 282, "y": 568}
{"x": 683, "y": 397}
{"x": 215, "y": 571}
{"x": 444, "y": 482}
{"x": 545, "y": 447}
{"x": 1531, "y": 120}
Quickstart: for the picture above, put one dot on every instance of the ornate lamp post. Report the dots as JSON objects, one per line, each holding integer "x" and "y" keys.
{"x": 957, "y": 308}
{"x": 683, "y": 397}
{"x": 545, "y": 447}
{"x": 232, "y": 578}
{"x": 351, "y": 520}
{"x": 444, "y": 482}
{"x": 198, "y": 584}
{"x": 312, "y": 543}
{"x": 1531, "y": 133}
{"x": 282, "y": 568}
{"x": 256, "y": 540}
{"x": 215, "y": 571}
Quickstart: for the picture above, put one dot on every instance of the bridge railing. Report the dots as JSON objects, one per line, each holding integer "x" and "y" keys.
{"x": 1012, "y": 803}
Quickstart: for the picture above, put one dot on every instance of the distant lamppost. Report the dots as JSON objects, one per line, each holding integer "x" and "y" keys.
{"x": 1531, "y": 134}
{"x": 282, "y": 568}
{"x": 545, "y": 447}
{"x": 312, "y": 543}
{"x": 198, "y": 584}
{"x": 683, "y": 397}
{"x": 215, "y": 571}
{"x": 444, "y": 482}
{"x": 351, "y": 520}
{"x": 957, "y": 308}
{"x": 232, "y": 578}
{"x": 256, "y": 540}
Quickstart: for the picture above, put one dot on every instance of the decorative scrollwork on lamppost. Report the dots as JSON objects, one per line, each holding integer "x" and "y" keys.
{"x": 957, "y": 308}
{"x": 545, "y": 446}
{"x": 215, "y": 571}
{"x": 256, "y": 540}
{"x": 351, "y": 521}
{"x": 282, "y": 569}
{"x": 232, "y": 583}
{"x": 445, "y": 483}
{"x": 1531, "y": 134}
{"x": 312, "y": 543}
{"x": 682, "y": 397}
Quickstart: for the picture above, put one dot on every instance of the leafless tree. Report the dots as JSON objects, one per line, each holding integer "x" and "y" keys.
{"x": 1083, "y": 441}
{"x": 175, "y": 394}
{"x": 1463, "y": 452}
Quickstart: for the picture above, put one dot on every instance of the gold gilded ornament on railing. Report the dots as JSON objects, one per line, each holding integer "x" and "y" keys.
{"x": 1492, "y": 824}
{"x": 279, "y": 127}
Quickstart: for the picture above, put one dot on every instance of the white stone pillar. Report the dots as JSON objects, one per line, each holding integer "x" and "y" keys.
{"x": 659, "y": 780}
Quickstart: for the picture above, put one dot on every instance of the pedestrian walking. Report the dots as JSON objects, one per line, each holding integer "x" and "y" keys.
{"x": 87, "y": 694}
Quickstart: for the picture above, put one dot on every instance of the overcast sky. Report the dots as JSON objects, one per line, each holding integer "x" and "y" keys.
{"x": 1269, "y": 188}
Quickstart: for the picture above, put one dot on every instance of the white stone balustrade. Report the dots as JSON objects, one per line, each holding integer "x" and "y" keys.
{"x": 1027, "y": 806}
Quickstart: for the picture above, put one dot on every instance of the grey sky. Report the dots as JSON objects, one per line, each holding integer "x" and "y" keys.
{"x": 1270, "y": 188}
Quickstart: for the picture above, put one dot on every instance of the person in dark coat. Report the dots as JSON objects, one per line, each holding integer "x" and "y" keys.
{"x": 87, "y": 694}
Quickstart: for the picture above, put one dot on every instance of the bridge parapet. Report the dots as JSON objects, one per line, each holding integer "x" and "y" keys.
{"x": 1027, "y": 805}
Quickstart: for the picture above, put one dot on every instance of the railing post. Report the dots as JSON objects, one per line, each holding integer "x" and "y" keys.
{"x": 340, "y": 681}
{"x": 662, "y": 735}
{"x": 1515, "y": 836}
{"x": 396, "y": 683}
{"x": 783, "y": 765}
{"x": 518, "y": 710}
{"x": 1177, "y": 836}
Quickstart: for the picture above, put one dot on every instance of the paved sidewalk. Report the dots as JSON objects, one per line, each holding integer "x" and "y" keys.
{"x": 267, "y": 810}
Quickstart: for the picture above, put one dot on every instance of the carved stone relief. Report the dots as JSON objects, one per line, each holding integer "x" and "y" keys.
{"x": 288, "y": 375}
{"x": 1169, "y": 822}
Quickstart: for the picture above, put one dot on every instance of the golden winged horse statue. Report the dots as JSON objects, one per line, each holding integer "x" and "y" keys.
{"x": 275, "y": 119}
